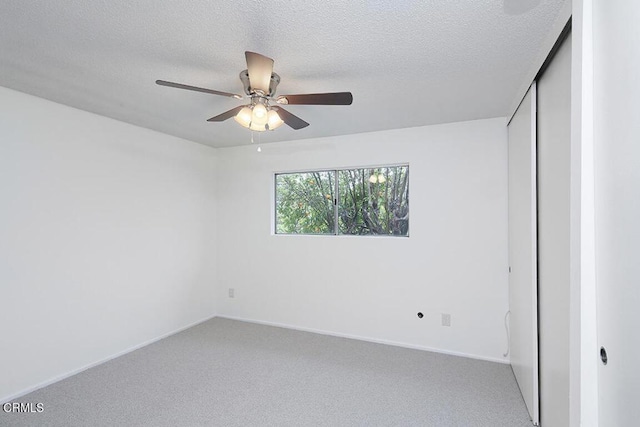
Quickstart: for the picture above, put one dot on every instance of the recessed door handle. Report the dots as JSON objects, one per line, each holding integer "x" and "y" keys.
{"x": 603, "y": 355}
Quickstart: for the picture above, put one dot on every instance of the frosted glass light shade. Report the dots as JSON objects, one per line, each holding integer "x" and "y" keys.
{"x": 257, "y": 127}
{"x": 259, "y": 116}
{"x": 273, "y": 120}
{"x": 243, "y": 117}
{"x": 259, "y": 111}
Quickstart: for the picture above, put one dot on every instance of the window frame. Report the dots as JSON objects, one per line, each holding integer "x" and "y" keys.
{"x": 336, "y": 201}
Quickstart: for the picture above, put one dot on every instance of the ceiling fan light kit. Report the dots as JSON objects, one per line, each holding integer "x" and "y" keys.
{"x": 258, "y": 116}
{"x": 260, "y": 83}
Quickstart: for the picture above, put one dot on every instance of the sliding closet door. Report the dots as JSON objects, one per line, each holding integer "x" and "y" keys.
{"x": 554, "y": 138}
{"x": 523, "y": 299}
{"x": 617, "y": 207}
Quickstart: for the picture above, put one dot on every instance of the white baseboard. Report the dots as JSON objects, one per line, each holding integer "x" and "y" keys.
{"x": 368, "y": 339}
{"x": 91, "y": 365}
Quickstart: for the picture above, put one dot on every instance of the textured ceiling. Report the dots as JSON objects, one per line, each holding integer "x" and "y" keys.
{"x": 407, "y": 63}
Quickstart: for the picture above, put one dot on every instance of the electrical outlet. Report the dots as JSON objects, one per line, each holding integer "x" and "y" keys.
{"x": 232, "y": 293}
{"x": 446, "y": 319}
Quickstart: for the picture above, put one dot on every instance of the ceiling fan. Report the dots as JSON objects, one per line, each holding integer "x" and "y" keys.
{"x": 260, "y": 83}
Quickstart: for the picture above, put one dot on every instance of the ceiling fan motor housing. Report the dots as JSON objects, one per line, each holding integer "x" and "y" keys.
{"x": 246, "y": 83}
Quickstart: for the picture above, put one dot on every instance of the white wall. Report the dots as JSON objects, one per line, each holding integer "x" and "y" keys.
{"x": 455, "y": 260}
{"x": 107, "y": 238}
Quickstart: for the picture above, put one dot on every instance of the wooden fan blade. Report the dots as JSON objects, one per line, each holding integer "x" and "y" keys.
{"x": 335, "y": 98}
{"x": 260, "y": 69}
{"x": 197, "y": 89}
{"x": 226, "y": 115}
{"x": 291, "y": 120}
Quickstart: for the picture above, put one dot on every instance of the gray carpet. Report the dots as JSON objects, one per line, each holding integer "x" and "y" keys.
{"x": 229, "y": 373}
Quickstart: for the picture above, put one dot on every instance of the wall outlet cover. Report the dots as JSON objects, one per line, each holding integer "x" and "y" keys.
{"x": 446, "y": 319}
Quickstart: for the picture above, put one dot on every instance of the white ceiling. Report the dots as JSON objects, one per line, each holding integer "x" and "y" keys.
{"x": 407, "y": 63}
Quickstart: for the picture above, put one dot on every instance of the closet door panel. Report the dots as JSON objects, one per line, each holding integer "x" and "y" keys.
{"x": 523, "y": 298}
{"x": 553, "y": 155}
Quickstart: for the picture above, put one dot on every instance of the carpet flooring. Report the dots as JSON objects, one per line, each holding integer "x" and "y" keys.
{"x": 229, "y": 373}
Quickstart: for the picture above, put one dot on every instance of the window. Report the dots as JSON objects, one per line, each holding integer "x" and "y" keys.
{"x": 364, "y": 201}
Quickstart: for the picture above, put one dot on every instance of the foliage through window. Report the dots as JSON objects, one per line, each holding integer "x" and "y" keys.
{"x": 364, "y": 201}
